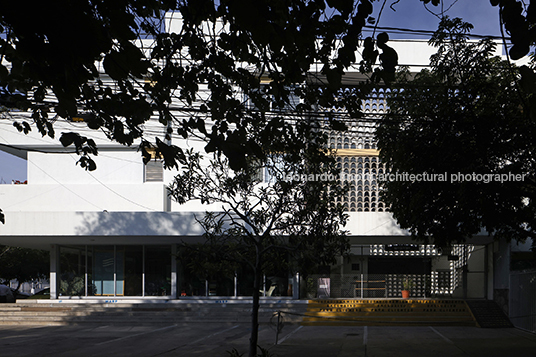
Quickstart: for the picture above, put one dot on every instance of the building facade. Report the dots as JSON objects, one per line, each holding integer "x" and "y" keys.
{"x": 113, "y": 233}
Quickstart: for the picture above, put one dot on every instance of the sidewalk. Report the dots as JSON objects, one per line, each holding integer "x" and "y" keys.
{"x": 214, "y": 339}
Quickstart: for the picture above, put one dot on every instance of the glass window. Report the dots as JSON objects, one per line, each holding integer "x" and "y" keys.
{"x": 104, "y": 266}
{"x": 72, "y": 271}
{"x": 133, "y": 270}
{"x": 154, "y": 171}
{"x": 245, "y": 280}
{"x": 115, "y": 270}
{"x": 157, "y": 270}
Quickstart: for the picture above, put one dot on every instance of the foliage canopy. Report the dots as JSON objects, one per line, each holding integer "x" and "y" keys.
{"x": 464, "y": 116}
{"x": 62, "y": 60}
{"x": 276, "y": 214}
{"x": 23, "y": 264}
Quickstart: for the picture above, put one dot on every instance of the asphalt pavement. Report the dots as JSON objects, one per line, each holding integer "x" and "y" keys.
{"x": 215, "y": 339}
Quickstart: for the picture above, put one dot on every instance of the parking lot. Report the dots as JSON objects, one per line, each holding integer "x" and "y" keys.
{"x": 198, "y": 339}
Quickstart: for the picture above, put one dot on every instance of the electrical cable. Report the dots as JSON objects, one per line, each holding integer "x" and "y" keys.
{"x": 315, "y": 115}
{"x": 59, "y": 183}
{"x": 117, "y": 193}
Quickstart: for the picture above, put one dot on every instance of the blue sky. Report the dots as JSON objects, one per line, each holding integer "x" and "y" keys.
{"x": 412, "y": 14}
{"x": 11, "y": 168}
{"x": 409, "y": 14}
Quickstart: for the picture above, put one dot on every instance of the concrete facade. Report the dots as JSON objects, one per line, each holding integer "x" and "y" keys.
{"x": 116, "y": 208}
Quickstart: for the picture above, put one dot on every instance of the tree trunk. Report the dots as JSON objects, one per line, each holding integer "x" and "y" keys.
{"x": 255, "y": 308}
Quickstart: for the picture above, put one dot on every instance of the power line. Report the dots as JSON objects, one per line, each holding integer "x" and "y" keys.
{"x": 67, "y": 188}
{"x": 118, "y": 194}
{"x": 25, "y": 148}
{"x": 59, "y": 183}
{"x": 389, "y": 29}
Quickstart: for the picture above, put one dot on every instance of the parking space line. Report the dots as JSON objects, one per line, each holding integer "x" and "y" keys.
{"x": 290, "y": 334}
{"x": 18, "y": 336}
{"x": 24, "y": 339}
{"x": 440, "y": 335}
{"x": 196, "y": 341}
{"x": 136, "y": 335}
{"x": 365, "y": 338}
{"x": 214, "y": 334}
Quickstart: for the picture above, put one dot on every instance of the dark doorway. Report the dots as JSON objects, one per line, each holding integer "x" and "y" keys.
{"x": 399, "y": 265}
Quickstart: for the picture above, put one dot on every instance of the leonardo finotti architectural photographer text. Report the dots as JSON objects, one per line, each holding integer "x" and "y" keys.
{"x": 404, "y": 176}
{"x": 452, "y": 177}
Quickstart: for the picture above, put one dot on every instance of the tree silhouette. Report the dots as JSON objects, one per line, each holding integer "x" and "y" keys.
{"x": 465, "y": 117}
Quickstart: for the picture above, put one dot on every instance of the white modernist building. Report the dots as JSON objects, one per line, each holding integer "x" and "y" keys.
{"x": 113, "y": 233}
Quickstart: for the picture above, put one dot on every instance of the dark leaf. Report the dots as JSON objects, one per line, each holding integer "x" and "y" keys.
{"x": 528, "y": 79}
{"x": 518, "y": 51}
{"x": 364, "y": 8}
{"x": 389, "y": 59}
{"x": 91, "y": 166}
{"x": 201, "y": 126}
{"x": 531, "y": 13}
{"x": 18, "y": 126}
{"x": 334, "y": 77}
{"x": 27, "y": 128}
{"x": 114, "y": 67}
{"x": 67, "y": 139}
{"x": 171, "y": 154}
{"x": 382, "y": 38}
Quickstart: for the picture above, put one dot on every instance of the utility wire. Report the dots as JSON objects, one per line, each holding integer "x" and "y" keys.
{"x": 389, "y": 29}
{"x": 117, "y": 193}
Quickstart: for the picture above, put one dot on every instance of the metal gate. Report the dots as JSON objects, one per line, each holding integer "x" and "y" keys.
{"x": 522, "y": 301}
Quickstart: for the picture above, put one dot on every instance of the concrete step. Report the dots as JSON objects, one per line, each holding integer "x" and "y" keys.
{"x": 142, "y": 314}
{"x": 388, "y": 312}
{"x": 316, "y": 312}
{"x": 488, "y": 314}
{"x": 388, "y": 322}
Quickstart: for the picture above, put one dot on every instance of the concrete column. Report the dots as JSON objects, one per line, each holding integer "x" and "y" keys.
{"x": 173, "y": 271}
{"x": 235, "y": 280}
{"x": 490, "y": 271}
{"x": 54, "y": 270}
{"x": 465, "y": 270}
{"x": 296, "y": 286}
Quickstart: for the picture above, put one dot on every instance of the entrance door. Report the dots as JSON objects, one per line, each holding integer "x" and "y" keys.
{"x": 108, "y": 268}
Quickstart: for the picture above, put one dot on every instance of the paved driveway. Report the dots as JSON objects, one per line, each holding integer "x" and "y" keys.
{"x": 198, "y": 339}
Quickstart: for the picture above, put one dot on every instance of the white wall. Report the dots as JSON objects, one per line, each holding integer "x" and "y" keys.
{"x": 84, "y": 197}
{"x": 56, "y": 183}
{"x": 476, "y": 276}
{"x": 373, "y": 224}
{"x": 41, "y": 229}
{"x": 113, "y": 167}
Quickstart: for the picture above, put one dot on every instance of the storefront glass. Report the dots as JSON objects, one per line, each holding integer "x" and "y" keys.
{"x": 158, "y": 270}
{"x": 115, "y": 270}
{"x": 72, "y": 271}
